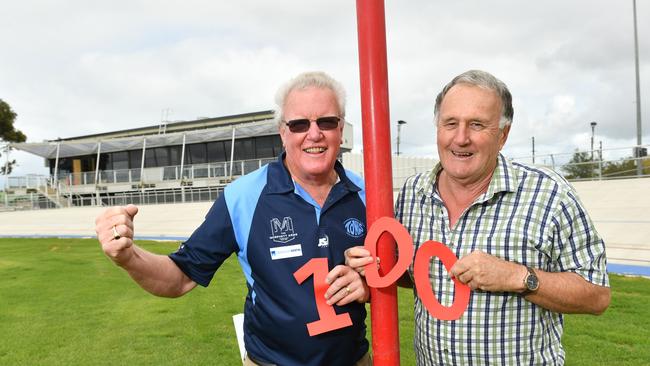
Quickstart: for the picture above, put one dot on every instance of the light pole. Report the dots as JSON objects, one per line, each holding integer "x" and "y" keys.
{"x": 593, "y": 127}
{"x": 639, "y": 162}
{"x": 399, "y": 130}
{"x": 533, "y": 139}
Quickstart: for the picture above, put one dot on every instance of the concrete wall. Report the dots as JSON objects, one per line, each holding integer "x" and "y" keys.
{"x": 403, "y": 166}
{"x": 619, "y": 208}
{"x": 170, "y": 220}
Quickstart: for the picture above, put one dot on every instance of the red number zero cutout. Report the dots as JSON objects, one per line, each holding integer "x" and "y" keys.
{"x": 423, "y": 284}
{"x": 404, "y": 244}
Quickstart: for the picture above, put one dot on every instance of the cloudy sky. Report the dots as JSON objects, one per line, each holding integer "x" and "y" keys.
{"x": 71, "y": 68}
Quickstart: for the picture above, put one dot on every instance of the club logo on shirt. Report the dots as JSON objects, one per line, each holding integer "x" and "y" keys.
{"x": 282, "y": 231}
{"x": 354, "y": 227}
{"x": 324, "y": 241}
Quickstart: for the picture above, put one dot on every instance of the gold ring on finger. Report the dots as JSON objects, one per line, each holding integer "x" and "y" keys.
{"x": 116, "y": 235}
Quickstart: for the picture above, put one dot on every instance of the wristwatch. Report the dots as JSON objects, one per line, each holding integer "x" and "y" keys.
{"x": 531, "y": 282}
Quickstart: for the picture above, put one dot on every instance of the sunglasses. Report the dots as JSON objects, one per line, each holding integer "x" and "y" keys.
{"x": 303, "y": 124}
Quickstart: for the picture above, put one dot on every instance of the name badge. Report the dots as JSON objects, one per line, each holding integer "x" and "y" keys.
{"x": 287, "y": 251}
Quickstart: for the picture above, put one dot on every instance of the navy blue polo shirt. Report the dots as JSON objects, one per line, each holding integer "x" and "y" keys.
{"x": 275, "y": 227}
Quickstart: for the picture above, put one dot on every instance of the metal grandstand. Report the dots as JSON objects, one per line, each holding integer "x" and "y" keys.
{"x": 184, "y": 162}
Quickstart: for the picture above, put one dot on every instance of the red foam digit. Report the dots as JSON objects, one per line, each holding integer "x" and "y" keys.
{"x": 423, "y": 284}
{"x": 404, "y": 244}
{"x": 328, "y": 319}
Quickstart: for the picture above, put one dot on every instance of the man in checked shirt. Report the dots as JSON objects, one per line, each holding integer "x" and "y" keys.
{"x": 526, "y": 246}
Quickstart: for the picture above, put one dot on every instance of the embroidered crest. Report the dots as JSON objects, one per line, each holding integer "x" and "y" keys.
{"x": 282, "y": 231}
{"x": 354, "y": 227}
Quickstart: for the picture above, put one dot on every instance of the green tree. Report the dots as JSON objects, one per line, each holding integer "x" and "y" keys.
{"x": 626, "y": 167}
{"x": 8, "y": 133}
{"x": 581, "y": 165}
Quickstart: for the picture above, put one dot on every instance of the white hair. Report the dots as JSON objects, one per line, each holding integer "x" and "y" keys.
{"x": 317, "y": 79}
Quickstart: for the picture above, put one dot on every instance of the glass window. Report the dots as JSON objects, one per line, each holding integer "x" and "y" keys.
{"x": 216, "y": 151}
{"x": 135, "y": 159}
{"x": 162, "y": 156}
{"x": 244, "y": 149}
{"x": 120, "y": 160}
{"x": 196, "y": 154}
{"x": 65, "y": 166}
{"x": 149, "y": 158}
{"x": 88, "y": 163}
{"x": 106, "y": 162}
{"x": 264, "y": 147}
{"x": 226, "y": 146}
{"x": 175, "y": 155}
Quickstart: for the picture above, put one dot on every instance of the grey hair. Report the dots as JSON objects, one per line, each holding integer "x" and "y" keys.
{"x": 484, "y": 80}
{"x": 316, "y": 79}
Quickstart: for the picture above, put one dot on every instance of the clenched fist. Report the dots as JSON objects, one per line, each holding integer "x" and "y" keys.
{"x": 114, "y": 228}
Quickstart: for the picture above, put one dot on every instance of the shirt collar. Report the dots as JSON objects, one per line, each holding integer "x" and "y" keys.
{"x": 279, "y": 179}
{"x": 504, "y": 179}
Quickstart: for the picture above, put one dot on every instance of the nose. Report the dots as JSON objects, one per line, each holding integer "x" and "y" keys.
{"x": 461, "y": 135}
{"x": 314, "y": 132}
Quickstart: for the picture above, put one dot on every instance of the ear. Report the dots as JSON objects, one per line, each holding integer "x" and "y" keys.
{"x": 504, "y": 136}
{"x": 283, "y": 131}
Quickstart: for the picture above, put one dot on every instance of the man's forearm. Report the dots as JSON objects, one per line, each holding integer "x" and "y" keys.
{"x": 567, "y": 292}
{"x": 157, "y": 274}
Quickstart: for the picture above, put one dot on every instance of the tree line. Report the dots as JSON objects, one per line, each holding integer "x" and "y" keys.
{"x": 8, "y": 134}
{"x": 583, "y": 165}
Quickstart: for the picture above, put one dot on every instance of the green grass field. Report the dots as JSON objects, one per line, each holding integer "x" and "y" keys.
{"x": 63, "y": 303}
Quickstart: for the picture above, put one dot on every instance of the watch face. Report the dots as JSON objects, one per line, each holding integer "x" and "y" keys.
{"x": 532, "y": 283}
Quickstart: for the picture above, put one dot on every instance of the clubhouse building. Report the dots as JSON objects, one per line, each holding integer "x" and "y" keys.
{"x": 164, "y": 163}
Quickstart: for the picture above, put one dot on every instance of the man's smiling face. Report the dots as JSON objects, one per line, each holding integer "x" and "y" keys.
{"x": 468, "y": 134}
{"x": 311, "y": 155}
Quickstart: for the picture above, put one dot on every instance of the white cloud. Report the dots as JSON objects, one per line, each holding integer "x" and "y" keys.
{"x": 78, "y": 67}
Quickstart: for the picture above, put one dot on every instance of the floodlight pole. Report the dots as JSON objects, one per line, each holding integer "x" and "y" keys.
{"x": 373, "y": 74}
{"x": 399, "y": 132}
{"x": 593, "y": 130}
{"x": 533, "y": 140}
{"x": 639, "y": 161}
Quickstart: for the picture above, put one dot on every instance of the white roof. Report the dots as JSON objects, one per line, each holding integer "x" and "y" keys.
{"x": 89, "y": 146}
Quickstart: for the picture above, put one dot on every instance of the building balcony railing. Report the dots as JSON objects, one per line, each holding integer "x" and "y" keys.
{"x": 107, "y": 187}
{"x": 155, "y": 175}
{"x": 176, "y": 184}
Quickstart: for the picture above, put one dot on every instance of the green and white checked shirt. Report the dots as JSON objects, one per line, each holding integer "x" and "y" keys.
{"x": 528, "y": 215}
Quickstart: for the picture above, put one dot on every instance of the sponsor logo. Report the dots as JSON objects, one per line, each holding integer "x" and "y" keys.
{"x": 354, "y": 227}
{"x": 288, "y": 251}
{"x": 323, "y": 242}
{"x": 282, "y": 231}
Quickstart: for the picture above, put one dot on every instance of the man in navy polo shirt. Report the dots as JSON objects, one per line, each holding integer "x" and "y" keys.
{"x": 296, "y": 215}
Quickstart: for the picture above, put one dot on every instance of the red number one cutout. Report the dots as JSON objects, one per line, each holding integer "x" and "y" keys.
{"x": 423, "y": 284}
{"x": 328, "y": 319}
{"x": 404, "y": 244}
